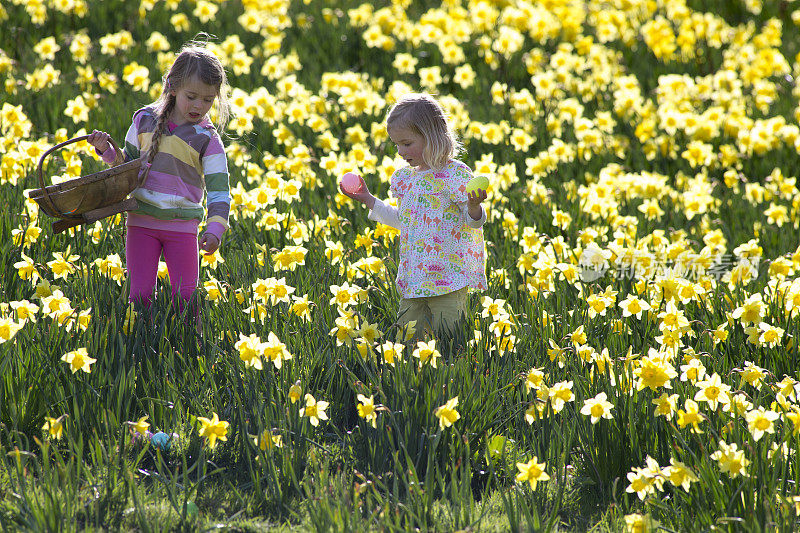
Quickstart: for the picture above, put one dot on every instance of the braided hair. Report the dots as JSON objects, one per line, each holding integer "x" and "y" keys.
{"x": 194, "y": 59}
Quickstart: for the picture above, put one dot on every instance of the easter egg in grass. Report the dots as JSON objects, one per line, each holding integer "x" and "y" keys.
{"x": 162, "y": 441}
{"x": 478, "y": 182}
{"x": 352, "y": 182}
{"x": 191, "y": 509}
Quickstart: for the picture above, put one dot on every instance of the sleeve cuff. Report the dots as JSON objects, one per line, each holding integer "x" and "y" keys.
{"x": 216, "y": 229}
{"x": 377, "y": 210}
{"x": 472, "y": 223}
{"x": 109, "y": 156}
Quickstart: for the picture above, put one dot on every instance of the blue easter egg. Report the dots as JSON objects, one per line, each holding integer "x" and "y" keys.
{"x": 161, "y": 441}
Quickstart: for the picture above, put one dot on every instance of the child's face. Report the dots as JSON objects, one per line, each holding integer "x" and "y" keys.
{"x": 193, "y": 101}
{"x": 410, "y": 146}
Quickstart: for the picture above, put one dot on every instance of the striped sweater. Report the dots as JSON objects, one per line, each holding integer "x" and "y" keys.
{"x": 190, "y": 162}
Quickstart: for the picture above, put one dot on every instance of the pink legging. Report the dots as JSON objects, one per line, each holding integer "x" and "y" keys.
{"x": 143, "y": 248}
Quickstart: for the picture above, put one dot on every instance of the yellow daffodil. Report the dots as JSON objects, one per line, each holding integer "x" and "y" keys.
{"x": 140, "y": 426}
{"x": 268, "y": 440}
{"x": 407, "y": 332}
{"x": 712, "y": 391}
{"x": 391, "y": 352}
{"x": 447, "y": 413}
{"x": 736, "y": 404}
{"x": 761, "y": 421}
{"x": 301, "y": 306}
{"x": 250, "y": 349}
{"x": 26, "y": 269}
{"x": 645, "y": 481}
{"x": 534, "y": 379}
{"x": 426, "y": 352}
{"x": 731, "y": 460}
{"x": 314, "y": 410}
{"x": 655, "y": 371}
{"x": 211, "y": 260}
{"x": 633, "y": 306}
{"x": 560, "y": 394}
{"x": 666, "y": 405}
{"x": 531, "y": 472}
{"x": 638, "y": 523}
{"x": 63, "y": 266}
{"x": 556, "y": 353}
{"x": 690, "y": 415}
{"x": 366, "y": 409}
{"x": 215, "y": 292}
{"x": 213, "y": 429}
{"x": 9, "y": 328}
{"x": 751, "y": 310}
{"x": 597, "y": 408}
{"x": 693, "y": 371}
{"x": 275, "y": 351}
{"x": 79, "y": 360}
{"x": 55, "y": 426}
{"x": 679, "y": 474}
{"x": 25, "y": 310}
{"x": 295, "y": 392}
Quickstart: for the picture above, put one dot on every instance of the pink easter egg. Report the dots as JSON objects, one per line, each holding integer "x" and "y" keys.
{"x": 351, "y": 182}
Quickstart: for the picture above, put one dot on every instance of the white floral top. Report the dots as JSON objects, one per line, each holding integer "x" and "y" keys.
{"x": 441, "y": 246}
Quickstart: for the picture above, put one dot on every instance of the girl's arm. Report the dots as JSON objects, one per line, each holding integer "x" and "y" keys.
{"x": 457, "y": 177}
{"x": 130, "y": 149}
{"x": 218, "y": 195}
{"x": 378, "y": 210}
{"x": 474, "y": 213}
{"x": 102, "y": 147}
{"x": 472, "y": 222}
{"x": 384, "y": 213}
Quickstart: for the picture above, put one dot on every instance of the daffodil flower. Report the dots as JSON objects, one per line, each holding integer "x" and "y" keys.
{"x": 55, "y": 426}
{"x": 447, "y": 413}
{"x": 314, "y": 410}
{"x": 213, "y": 429}
{"x": 366, "y": 409}
{"x": 532, "y": 472}
{"x": 79, "y": 360}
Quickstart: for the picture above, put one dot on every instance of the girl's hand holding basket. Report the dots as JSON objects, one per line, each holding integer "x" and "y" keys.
{"x": 100, "y": 141}
{"x": 209, "y": 243}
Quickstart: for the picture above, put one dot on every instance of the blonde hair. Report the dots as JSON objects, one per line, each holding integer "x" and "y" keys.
{"x": 194, "y": 59}
{"x": 423, "y": 115}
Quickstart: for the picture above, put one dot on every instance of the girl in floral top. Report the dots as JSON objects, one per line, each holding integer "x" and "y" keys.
{"x": 441, "y": 240}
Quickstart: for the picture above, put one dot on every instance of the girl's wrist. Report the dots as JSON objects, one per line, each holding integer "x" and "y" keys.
{"x": 475, "y": 211}
{"x": 109, "y": 155}
{"x": 216, "y": 229}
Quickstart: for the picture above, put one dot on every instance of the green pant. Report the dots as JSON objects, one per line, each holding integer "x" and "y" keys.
{"x": 434, "y": 314}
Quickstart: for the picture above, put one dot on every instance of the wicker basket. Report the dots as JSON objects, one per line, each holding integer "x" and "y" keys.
{"x": 89, "y": 198}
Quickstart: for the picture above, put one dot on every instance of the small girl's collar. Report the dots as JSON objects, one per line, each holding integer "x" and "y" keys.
{"x": 435, "y": 171}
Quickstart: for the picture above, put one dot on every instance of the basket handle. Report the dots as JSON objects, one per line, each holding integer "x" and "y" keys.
{"x": 58, "y": 146}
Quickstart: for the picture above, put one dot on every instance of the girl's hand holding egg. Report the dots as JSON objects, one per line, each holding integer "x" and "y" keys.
{"x": 352, "y": 182}
{"x": 476, "y": 193}
{"x": 476, "y": 190}
{"x": 353, "y": 186}
{"x": 476, "y": 183}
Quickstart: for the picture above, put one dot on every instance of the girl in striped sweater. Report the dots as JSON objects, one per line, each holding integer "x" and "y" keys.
{"x": 185, "y": 161}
